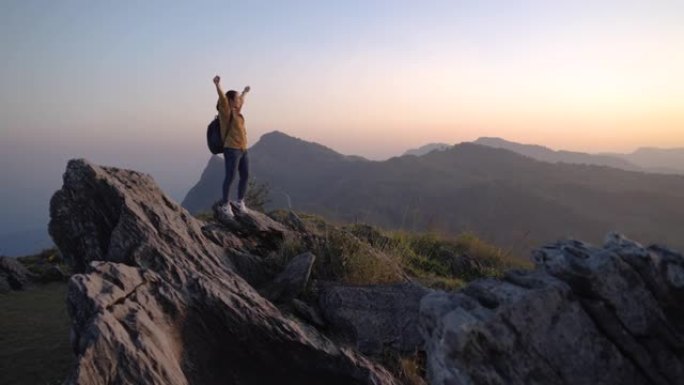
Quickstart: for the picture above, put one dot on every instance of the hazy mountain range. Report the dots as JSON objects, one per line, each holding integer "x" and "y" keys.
{"x": 655, "y": 160}
{"x": 321, "y": 169}
{"x": 422, "y": 150}
{"x": 511, "y": 200}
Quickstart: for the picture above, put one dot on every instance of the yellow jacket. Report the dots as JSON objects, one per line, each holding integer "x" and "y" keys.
{"x": 232, "y": 125}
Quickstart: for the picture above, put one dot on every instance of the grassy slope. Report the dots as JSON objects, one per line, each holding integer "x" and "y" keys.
{"x": 362, "y": 254}
{"x": 34, "y": 336}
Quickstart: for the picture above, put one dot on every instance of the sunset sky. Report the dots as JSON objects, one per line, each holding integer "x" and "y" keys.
{"x": 129, "y": 82}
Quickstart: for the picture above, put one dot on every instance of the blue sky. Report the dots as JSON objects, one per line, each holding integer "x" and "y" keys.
{"x": 128, "y": 83}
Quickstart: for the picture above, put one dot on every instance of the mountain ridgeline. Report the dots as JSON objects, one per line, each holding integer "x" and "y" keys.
{"x": 548, "y": 155}
{"x": 505, "y": 198}
{"x": 655, "y": 160}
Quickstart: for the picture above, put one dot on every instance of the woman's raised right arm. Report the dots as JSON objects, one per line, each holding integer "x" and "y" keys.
{"x": 222, "y": 99}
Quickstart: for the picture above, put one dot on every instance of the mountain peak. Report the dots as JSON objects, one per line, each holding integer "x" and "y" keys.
{"x": 276, "y": 135}
{"x": 279, "y": 138}
{"x": 277, "y": 142}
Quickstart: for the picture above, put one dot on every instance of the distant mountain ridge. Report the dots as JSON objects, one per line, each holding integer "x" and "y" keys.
{"x": 508, "y": 199}
{"x": 420, "y": 151}
{"x": 657, "y": 159}
{"x": 548, "y": 155}
{"x": 653, "y": 160}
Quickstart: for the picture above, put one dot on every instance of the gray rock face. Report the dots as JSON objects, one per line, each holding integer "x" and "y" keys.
{"x": 292, "y": 280}
{"x": 308, "y": 313}
{"x": 585, "y": 315}
{"x": 375, "y": 317}
{"x": 13, "y": 275}
{"x": 159, "y": 301}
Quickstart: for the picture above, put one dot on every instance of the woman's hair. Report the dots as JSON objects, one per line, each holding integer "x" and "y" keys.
{"x": 231, "y": 97}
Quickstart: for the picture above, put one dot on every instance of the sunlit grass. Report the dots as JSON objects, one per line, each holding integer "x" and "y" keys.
{"x": 363, "y": 254}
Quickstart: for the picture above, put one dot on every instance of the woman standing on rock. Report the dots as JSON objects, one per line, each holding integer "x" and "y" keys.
{"x": 234, "y": 147}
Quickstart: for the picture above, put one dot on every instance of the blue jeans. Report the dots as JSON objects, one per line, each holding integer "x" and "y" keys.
{"x": 235, "y": 159}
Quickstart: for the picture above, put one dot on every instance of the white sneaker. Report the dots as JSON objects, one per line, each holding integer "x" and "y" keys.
{"x": 241, "y": 207}
{"x": 226, "y": 211}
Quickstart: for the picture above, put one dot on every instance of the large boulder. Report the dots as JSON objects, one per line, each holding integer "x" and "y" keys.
{"x": 376, "y": 318}
{"x": 159, "y": 301}
{"x": 584, "y": 315}
{"x": 13, "y": 275}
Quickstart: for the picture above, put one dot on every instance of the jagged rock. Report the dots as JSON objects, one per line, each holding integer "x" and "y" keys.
{"x": 159, "y": 302}
{"x": 584, "y": 315}
{"x": 217, "y": 234}
{"x": 292, "y": 280}
{"x": 13, "y": 275}
{"x": 254, "y": 269}
{"x": 375, "y": 317}
{"x": 254, "y": 223}
{"x": 307, "y": 313}
{"x": 290, "y": 219}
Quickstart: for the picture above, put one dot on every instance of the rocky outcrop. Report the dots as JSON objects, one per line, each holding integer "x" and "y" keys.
{"x": 13, "y": 275}
{"x": 584, "y": 315}
{"x": 307, "y": 313}
{"x": 375, "y": 318}
{"x": 292, "y": 280}
{"x": 159, "y": 299}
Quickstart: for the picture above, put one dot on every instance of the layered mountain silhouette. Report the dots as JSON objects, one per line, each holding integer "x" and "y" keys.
{"x": 508, "y": 199}
{"x": 548, "y": 155}
{"x": 428, "y": 148}
{"x": 669, "y": 160}
{"x": 655, "y": 160}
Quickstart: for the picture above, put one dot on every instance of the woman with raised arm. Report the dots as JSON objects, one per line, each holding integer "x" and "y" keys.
{"x": 234, "y": 147}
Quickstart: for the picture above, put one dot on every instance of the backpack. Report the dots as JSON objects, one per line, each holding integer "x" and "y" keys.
{"x": 214, "y": 140}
